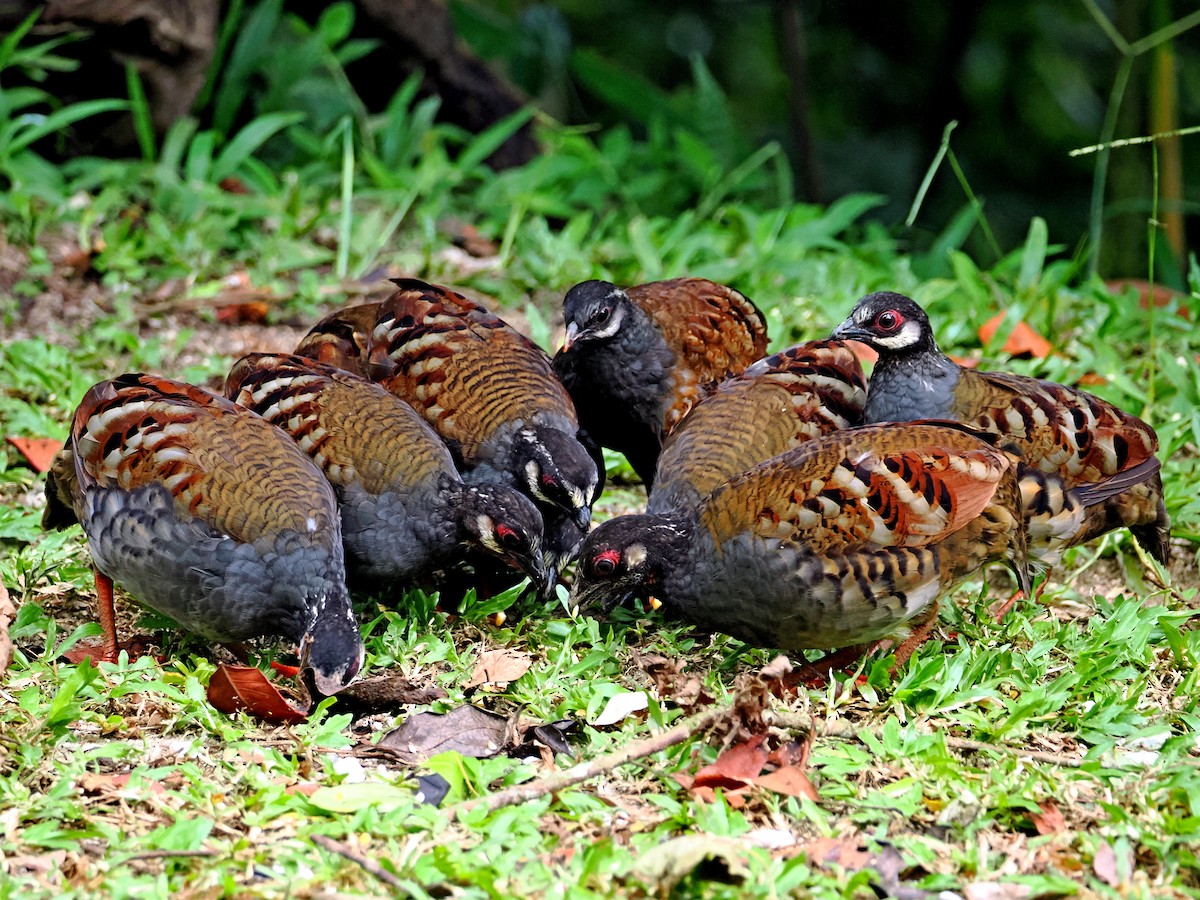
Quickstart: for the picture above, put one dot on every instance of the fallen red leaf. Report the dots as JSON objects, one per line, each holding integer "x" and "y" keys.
{"x": 1050, "y": 820}
{"x": 1091, "y": 379}
{"x": 8, "y": 612}
{"x": 234, "y": 688}
{"x": 307, "y": 788}
{"x": 1022, "y": 341}
{"x": 789, "y": 780}
{"x": 736, "y": 768}
{"x": 103, "y": 783}
{"x": 1159, "y": 293}
{"x": 967, "y": 362}
{"x": 39, "y": 452}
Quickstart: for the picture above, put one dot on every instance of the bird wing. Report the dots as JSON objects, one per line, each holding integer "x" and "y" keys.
{"x": 355, "y": 431}
{"x": 1062, "y": 431}
{"x": 343, "y": 339}
{"x": 464, "y": 369}
{"x": 716, "y": 331}
{"x": 885, "y": 487}
{"x": 776, "y": 404}
{"x": 223, "y": 465}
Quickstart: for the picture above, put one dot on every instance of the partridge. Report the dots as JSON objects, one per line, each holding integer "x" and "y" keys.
{"x": 343, "y": 339}
{"x": 208, "y": 514}
{"x": 636, "y": 360}
{"x": 405, "y": 511}
{"x": 848, "y": 538}
{"x": 1088, "y": 467}
{"x": 776, "y": 404}
{"x": 491, "y": 395}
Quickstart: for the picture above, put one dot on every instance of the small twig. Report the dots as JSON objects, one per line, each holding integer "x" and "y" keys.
{"x": 1054, "y": 759}
{"x": 601, "y": 764}
{"x": 367, "y": 865}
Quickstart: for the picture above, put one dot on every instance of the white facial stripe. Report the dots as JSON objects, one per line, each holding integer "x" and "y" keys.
{"x": 635, "y": 555}
{"x": 907, "y": 336}
{"x": 613, "y": 324}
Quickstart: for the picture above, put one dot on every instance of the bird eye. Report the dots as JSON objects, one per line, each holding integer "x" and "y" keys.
{"x": 602, "y": 315}
{"x": 888, "y": 320}
{"x": 507, "y": 537}
{"x": 548, "y": 480}
{"x": 605, "y": 563}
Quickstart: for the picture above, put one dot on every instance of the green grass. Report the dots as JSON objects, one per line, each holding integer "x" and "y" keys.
{"x": 923, "y": 772}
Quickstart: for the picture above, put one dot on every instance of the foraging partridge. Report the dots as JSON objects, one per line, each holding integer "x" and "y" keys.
{"x": 405, "y": 510}
{"x": 343, "y": 339}
{"x": 1097, "y": 465}
{"x": 636, "y": 360}
{"x": 209, "y": 514}
{"x": 778, "y": 403}
{"x": 848, "y": 538}
{"x": 490, "y": 394}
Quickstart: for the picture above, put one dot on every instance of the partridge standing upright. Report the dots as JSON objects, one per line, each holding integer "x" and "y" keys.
{"x": 848, "y": 538}
{"x": 636, "y": 360}
{"x": 778, "y": 403}
{"x": 210, "y": 515}
{"x": 343, "y": 339}
{"x": 490, "y": 394}
{"x": 1090, "y": 467}
{"x": 405, "y": 510}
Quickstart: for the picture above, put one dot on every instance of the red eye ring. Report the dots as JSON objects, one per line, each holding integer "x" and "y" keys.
{"x": 506, "y": 535}
{"x": 889, "y": 320}
{"x": 605, "y": 562}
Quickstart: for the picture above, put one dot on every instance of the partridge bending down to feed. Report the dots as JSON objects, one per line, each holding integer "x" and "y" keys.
{"x": 636, "y": 360}
{"x": 490, "y": 394}
{"x": 405, "y": 510}
{"x": 846, "y": 539}
{"x": 343, "y": 339}
{"x": 210, "y": 515}
{"x": 776, "y": 404}
{"x": 1090, "y": 467}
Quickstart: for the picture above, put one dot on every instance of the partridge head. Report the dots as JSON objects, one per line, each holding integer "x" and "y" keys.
{"x": 491, "y": 395}
{"x": 636, "y": 360}
{"x": 778, "y": 403}
{"x": 405, "y": 510}
{"x": 208, "y": 514}
{"x": 845, "y": 539}
{"x": 1103, "y": 458}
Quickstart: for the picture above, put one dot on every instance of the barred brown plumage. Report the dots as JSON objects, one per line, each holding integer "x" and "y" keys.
{"x": 491, "y": 395}
{"x": 1070, "y": 441}
{"x": 405, "y": 511}
{"x": 831, "y": 544}
{"x": 637, "y": 360}
{"x": 774, "y": 405}
{"x": 207, "y": 513}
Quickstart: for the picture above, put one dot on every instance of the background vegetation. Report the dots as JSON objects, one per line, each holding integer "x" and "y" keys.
{"x": 1050, "y": 755}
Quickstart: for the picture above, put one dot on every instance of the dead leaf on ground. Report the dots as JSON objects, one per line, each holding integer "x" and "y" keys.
{"x": 102, "y": 783}
{"x": 8, "y": 612}
{"x": 1050, "y": 820}
{"x": 672, "y": 682}
{"x": 739, "y": 769}
{"x": 1022, "y": 341}
{"x": 252, "y": 312}
{"x": 664, "y": 866}
{"x": 385, "y": 692}
{"x": 967, "y": 362}
{"x": 846, "y": 852}
{"x": 997, "y": 890}
{"x": 1105, "y": 864}
{"x": 620, "y": 707}
{"x": 38, "y": 451}
{"x": 234, "y": 688}
{"x": 468, "y": 730}
{"x": 496, "y": 668}
{"x": 864, "y": 353}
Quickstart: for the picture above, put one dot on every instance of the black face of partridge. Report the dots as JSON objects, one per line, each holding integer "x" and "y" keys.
{"x": 210, "y": 515}
{"x": 776, "y": 404}
{"x": 1102, "y": 454}
{"x": 490, "y": 394}
{"x": 405, "y": 511}
{"x": 636, "y": 360}
{"x": 845, "y": 539}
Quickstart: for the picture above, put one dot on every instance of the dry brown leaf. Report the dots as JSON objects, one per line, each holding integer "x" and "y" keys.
{"x": 1022, "y": 341}
{"x": 468, "y": 730}
{"x": 234, "y": 688}
{"x": 1105, "y": 864}
{"x": 844, "y": 852}
{"x": 38, "y": 452}
{"x": 790, "y": 780}
{"x": 1050, "y": 820}
{"x": 496, "y": 668}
